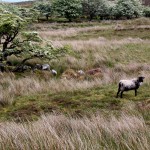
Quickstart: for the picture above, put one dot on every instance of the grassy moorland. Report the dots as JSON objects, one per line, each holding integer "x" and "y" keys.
{"x": 81, "y": 112}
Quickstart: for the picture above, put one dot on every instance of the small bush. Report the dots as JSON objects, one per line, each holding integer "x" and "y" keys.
{"x": 127, "y": 9}
{"x": 103, "y": 9}
{"x": 69, "y": 9}
{"x": 146, "y": 11}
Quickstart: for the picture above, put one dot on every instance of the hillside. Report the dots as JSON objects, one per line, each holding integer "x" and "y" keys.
{"x": 118, "y": 49}
{"x": 75, "y": 108}
{"x": 24, "y": 4}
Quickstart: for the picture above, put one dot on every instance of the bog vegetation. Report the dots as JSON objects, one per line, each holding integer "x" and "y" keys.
{"x": 91, "y": 45}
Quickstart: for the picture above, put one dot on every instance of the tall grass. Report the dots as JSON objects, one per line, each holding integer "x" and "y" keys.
{"x": 61, "y": 33}
{"x": 11, "y": 87}
{"x": 58, "y": 132}
{"x": 123, "y": 58}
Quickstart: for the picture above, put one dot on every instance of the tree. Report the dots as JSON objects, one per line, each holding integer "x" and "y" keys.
{"x": 103, "y": 10}
{"x": 29, "y": 14}
{"x": 146, "y": 11}
{"x": 94, "y": 8}
{"x": 10, "y": 26}
{"x": 69, "y": 9}
{"x": 10, "y": 8}
{"x": 128, "y": 9}
{"x": 25, "y": 13}
{"x": 44, "y": 8}
{"x": 90, "y": 8}
{"x": 26, "y": 45}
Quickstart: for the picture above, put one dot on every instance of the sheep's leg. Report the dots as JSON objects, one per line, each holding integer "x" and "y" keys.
{"x": 121, "y": 94}
{"x": 118, "y": 89}
{"x": 118, "y": 93}
{"x": 135, "y": 92}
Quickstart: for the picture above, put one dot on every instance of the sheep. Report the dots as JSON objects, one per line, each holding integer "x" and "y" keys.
{"x": 54, "y": 72}
{"x": 45, "y": 67}
{"x": 37, "y": 67}
{"x": 80, "y": 72}
{"x": 42, "y": 67}
{"x": 126, "y": 85}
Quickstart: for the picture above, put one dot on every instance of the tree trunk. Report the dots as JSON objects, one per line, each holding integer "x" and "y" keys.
{"x": 47, "y": 17}
{"x": 4, "y": 56}
{"x": 91, "y": 16}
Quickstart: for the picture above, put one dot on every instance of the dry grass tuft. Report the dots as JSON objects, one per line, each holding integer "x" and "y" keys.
{"x": 91, "y": 133}
{"x": 11, "y": 87}
{"x": 61, "y": 33}
{"x": 96, "y": 44}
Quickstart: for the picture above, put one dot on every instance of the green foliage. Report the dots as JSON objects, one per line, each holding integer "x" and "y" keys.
{"x": 44, "y": 8}
{"x": 69, "y": 9}
{"x": 95, "y": 8}
{"x": 10, "y": 26}
{"x": 10, "y": 8}
{"x": 103, "y": 10}
{"x": 9, "y": 22}
{"x": 127, "y": 9}
{"x": 90, "y": 8}
{"x": 146, "y": 11}
{"x": 13, "y": 41}
{"x": 46, "y": 51}
{"x": 30, "y": 14}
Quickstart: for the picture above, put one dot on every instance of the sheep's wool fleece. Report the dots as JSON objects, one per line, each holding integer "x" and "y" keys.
{"x": 128, "y": 83}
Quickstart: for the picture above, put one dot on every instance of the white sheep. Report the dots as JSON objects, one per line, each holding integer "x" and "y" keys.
{"x": 80, "y": 72}
{"x": 45, "y": 67}
{"x": 54, "y": 72}
{"x": 126, "y": 85}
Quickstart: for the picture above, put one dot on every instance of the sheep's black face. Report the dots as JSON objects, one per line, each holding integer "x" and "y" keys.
{"x": 141, "y": 79}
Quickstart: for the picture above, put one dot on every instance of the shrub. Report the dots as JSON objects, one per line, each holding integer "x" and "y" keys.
{"x": 44, "y": 8}
{"x": 95, "y": 8}
{"x": 69, "y": 9}
{"x": 103, "y": 10}
{"x": 146, "y": 11}
{"x": 127, "y": 9}
{"x": 90, "y": 8}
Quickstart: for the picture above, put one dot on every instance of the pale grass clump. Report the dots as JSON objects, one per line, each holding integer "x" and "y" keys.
{"x": 6, "y": 98}
{"x": 132, "y": 67}
{"x": 11, "y": 87}
{"x": 98, "y": 44}
{"x": 137, "y": 69}
{"x": 59, "y": 132}
{"x": 120, "y": 27}
{"x": 62, "y": 33}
